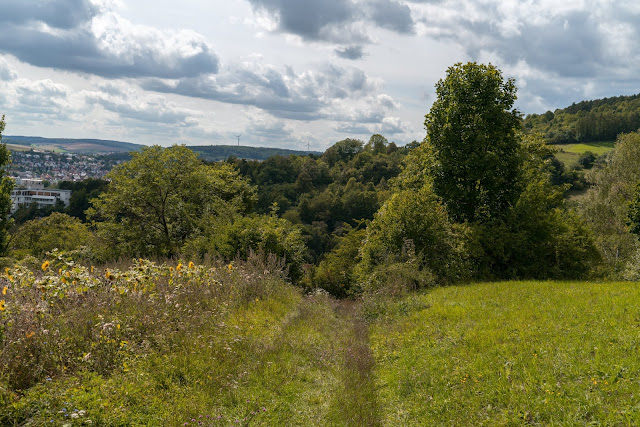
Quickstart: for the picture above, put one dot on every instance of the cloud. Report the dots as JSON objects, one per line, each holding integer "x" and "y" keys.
{"x": 6, "y": 74}
{"x": 298, "y": 96}
{"x": 350, "y": 52}
{"x": 350, "y": 24}
{"x": 129, "y": 103}
{"x": 353, "y": 129}
{"x": 392, "y": 15}
{"x": 567, "y": 39}
{"x": 63, "y": 14}
{"x": 79, "y": 36}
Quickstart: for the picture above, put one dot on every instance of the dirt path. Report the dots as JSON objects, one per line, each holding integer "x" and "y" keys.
{"x": 356, "y": 403}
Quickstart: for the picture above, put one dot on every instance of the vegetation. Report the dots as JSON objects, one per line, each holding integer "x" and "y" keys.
{"x": 6, "y": 185}
{"x": 509, "y": 353}
{"x": 588, "y": 121}
{"x": 337, "y": 289}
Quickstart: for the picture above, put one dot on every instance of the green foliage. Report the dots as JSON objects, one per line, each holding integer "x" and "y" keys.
{"x": 412, "y": 228}
{"x": 6, "y": 185}
{"x": 472, "y": 131}
{"x": 539, "y": 237}
{"x": 514, "y": 353}
{"x": 57, "y": 231}
{"x": 588, "y": 121}
{"x": 606, "y": 205}
{"x": 82, "y": 193}
{"x": 335, "y": 273}
{"x": 245, "y": 235}
{"x": 160, "y": 198}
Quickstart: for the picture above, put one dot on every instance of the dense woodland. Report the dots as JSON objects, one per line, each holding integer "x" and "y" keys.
{"x": 588, "y": 121}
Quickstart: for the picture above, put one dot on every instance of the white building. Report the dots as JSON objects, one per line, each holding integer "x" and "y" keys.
{"x": 29, "y": 190}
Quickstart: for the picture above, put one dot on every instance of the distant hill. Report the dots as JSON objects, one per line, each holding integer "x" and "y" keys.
{"x": 215, "y": 153}
{"x": 598, "y": 120}
{"x": 68, "y": 145}
{"x": 102, "y": 146}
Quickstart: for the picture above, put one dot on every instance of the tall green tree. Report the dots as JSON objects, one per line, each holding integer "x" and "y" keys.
{"x": 6, "y": 185}
{"x": 606, "y": 204}
{"x": 160, "y": 198}
{"x": 472, "y": 130}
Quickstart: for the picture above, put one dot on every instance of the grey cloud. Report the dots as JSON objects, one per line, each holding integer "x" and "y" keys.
{"x": 350, "y": 52}
{"x": 63, "y": 14}
{"x": 103, "y": 44}
{"x": 275, "y": 130}
{"x": 294, "y": 96}
{"x": 392, "y": 15}
{"x": 310, "y": 19}
{"x": 343, "y": 22}
{"x": 565, "y": 42}
{"x": 131, "y": 107}
{"x": 353, "y": 129}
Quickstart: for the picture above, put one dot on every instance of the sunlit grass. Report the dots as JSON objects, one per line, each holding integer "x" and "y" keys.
{"x": 150, "y": 344}
{"x": 511, "y": 353}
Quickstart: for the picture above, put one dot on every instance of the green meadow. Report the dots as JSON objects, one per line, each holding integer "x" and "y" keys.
{"x": 510, "y": 353}
{"x": 570, "y": 153}
{"x": 149, "y": 344}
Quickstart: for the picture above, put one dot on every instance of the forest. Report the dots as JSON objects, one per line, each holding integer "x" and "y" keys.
{"x": 176, "y": 261}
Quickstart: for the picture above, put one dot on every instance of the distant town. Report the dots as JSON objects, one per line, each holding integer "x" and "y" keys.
{"x": 51, "y": 167}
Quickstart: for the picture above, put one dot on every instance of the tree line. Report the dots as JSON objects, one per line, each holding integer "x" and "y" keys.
{"x": 480, "y": 198}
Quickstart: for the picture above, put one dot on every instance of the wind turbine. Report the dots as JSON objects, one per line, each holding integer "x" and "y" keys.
{"x": 238, "y": 136}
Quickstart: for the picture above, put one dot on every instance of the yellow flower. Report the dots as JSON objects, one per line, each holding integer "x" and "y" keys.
{"x": 92, "y": 268}
{"x": 108, "y": 275}
{"x": 179, "y": 267}
{"x": 45, "y": 265}
{"x": 60, "y": 271}
{"x": 191, "y": 264}
{"x": 6, "y": 271}
{"x": 30, "y": 334}
{"x": 2, "y": 307}
{"x": 230, "y": 267}
{"x": 4, "y": 290}
{"x": 64, "y": 280}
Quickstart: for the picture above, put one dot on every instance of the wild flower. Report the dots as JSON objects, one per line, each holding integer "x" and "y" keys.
{"x": 2, "y": 305}
{"x": 4, "y": 290}
{"x": 45, "y": 266}
{"x": 179, "y": 267}
{"x": 191, "y": 265}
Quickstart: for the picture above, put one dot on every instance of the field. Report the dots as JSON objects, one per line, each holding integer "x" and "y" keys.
{"x": 183, "y": 344}
{"x": 570, "y": 153}
{"x": 540, "y": 353}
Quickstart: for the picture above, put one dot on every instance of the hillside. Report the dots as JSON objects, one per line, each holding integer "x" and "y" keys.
{"x": 212, "y": 153}
{"x": 587, "y": 121}
{"x": 90, "y": 146}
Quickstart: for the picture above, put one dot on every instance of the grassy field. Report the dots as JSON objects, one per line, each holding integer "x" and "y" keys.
{"x": 570, "y": 153}
{"x": 511, "y": 354}
{"x": 189, "y": 345}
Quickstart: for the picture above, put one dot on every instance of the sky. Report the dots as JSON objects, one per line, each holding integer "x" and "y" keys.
{"x": 293, "y": 74}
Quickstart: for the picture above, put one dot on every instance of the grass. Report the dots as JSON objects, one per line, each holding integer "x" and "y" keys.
{"x": 149, "y": 344}
{"x": 179, "y": 344}
{"x": 513, "y": 353}
{"x": 570, "y": 153}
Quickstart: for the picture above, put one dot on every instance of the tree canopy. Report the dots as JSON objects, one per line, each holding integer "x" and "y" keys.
{"x": 6, "y": 185}
{"x": 472, "y": 129}
{"x": 156, "y": 201}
